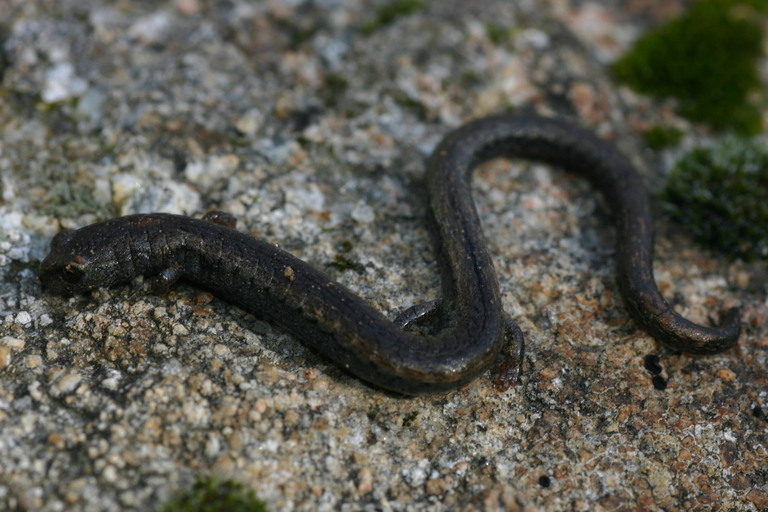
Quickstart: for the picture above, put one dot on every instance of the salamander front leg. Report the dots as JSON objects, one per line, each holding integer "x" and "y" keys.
{"x": 163, "y": 281}
{"x": 221, "y": 218}
{"x": 509, "y": 365}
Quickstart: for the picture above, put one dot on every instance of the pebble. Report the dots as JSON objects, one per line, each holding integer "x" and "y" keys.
{"x": 61, "y": 83}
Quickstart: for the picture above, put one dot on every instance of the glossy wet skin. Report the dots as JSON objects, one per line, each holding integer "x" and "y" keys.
{"x": 324, "y": 315}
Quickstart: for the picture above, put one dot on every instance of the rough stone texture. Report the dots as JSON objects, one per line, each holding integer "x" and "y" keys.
{"x": 315, "y": 135}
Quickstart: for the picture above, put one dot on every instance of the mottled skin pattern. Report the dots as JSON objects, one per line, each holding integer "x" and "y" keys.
{"x": 471, "y": 325}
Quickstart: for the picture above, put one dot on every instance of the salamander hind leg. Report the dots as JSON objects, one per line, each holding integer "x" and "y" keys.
{"x": 418, "y": 313}
{"x": 509, "y": 366}
{"x": 509, "y": 362}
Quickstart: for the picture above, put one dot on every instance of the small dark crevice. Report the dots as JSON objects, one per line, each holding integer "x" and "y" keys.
{"x": 5, "y": 60}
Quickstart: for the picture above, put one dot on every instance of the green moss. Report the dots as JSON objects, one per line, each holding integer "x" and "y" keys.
{"x": 343, "y": 263}
{"x": 470, "y": 79}
{"x": 409, "y": 418}
{"x": 720, "y": 193}
{"x": 660, "y": 137}
{"x": 706, "y": 59}
{"x": 73, "y": 199}
{"x": 409, "y": 103}
{"x": 389, "y": 12}
{"x": 212, "y": 495}
{"x": 336, "y": 85}
{"x": 298, "y": 33}
{"x": 498, "y": 33}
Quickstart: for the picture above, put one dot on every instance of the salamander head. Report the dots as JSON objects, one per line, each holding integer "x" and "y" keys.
{"x": 76, "y": 263}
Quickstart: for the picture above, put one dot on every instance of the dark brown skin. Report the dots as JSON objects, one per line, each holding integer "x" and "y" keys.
{"x": 289, "y": 293}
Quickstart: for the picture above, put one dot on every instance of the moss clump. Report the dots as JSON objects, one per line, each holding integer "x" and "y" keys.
{"x": 720, "y": 193}
{"x": 389, "y": 12}
{"x": 409, "y": 418}
{"x": 706, "y": 59}
{"x": 498, "y": 33}
{"x": 660, "y": 137}
{"x": 343, "y": 263}
{"x": 211, "y": 495}
{"x": 336, "y": 85}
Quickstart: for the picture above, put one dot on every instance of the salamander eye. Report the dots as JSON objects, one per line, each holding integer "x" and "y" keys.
{"x": 74, "y": 270}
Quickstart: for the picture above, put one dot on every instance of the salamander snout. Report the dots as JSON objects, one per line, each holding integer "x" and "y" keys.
{"x": 64, "y": 275}
{"x": 76, "y": 264}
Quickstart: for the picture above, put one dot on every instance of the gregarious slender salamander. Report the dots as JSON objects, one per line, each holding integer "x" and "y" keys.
{"x": 298, "y": 298}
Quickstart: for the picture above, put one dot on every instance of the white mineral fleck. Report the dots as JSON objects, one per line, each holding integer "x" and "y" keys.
{"x": 61, "y": 83}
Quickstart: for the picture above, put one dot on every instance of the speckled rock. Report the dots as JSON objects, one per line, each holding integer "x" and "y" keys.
{"x": 315, "y": 133}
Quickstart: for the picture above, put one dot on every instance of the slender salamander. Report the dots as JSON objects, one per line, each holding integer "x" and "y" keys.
{"x": 287, "y": 292}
